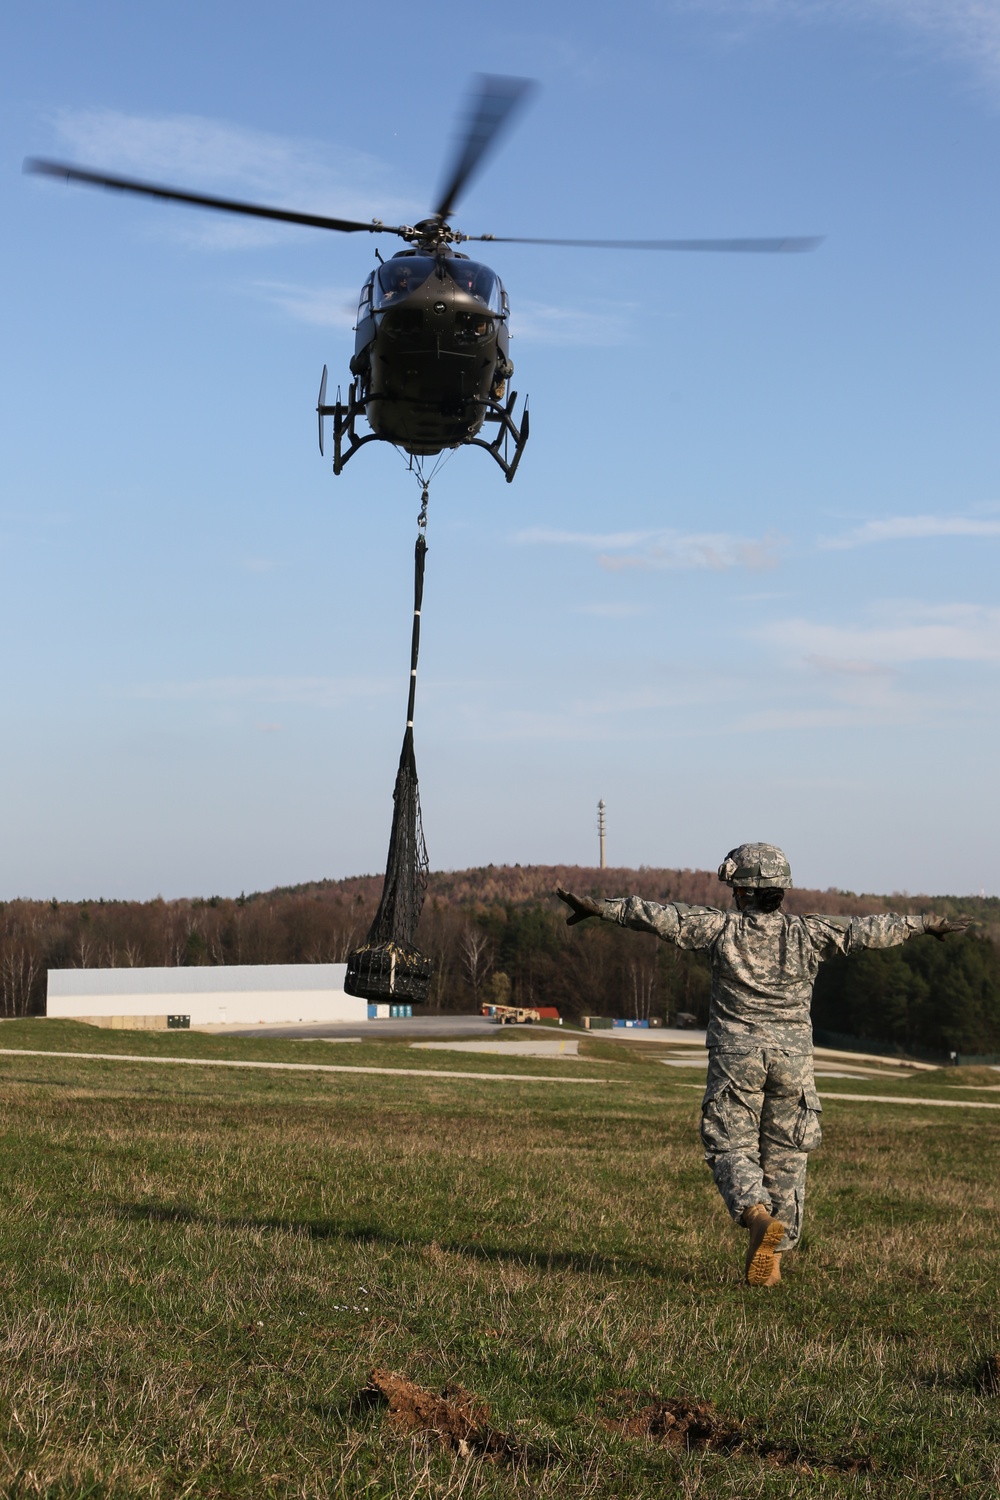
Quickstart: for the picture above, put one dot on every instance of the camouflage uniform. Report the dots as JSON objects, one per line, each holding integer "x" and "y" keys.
{"x": 760, "y": 1114}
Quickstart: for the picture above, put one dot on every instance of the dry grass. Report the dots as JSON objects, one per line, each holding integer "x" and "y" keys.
{"x": 200, "y": 1270}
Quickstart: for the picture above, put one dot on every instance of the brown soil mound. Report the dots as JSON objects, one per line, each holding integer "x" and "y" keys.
{"x": 988, "y": 1378}
{"x": 679, "y": 1423}
{"x": 459, "y": 1420}
{"x": 696, "y": 1427}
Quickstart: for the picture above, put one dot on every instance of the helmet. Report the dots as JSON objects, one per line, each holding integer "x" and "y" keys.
{"x": 756, "y": 867}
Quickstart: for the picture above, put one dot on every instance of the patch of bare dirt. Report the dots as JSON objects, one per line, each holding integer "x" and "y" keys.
{"x": 988, "y": 1378}
{"x": 696, "y": 1427}
{"x": 459, "y": 1420}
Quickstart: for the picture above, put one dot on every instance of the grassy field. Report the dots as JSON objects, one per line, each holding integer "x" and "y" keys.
{"x": 201, "y": 1267}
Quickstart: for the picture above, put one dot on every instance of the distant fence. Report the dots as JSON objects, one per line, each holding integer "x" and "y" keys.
{"x": 843, "y": 1043}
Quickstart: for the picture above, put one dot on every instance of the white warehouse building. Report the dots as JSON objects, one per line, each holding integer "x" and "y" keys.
{"x": 223, "y": 995}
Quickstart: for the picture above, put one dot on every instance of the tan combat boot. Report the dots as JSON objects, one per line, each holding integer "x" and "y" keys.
{"x": 763, "y": 1262}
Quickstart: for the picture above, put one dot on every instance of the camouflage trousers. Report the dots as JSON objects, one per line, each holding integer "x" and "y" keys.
{"x": 759, "y": 1121}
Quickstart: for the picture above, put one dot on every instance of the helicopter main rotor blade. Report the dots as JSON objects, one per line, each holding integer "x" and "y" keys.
{"x": 490, "y": 109}
{"x": 45, "y": 168}
{"x": 783, "y": 244}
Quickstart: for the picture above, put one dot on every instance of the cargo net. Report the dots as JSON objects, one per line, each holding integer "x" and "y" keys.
{"x": 387, "y": 966}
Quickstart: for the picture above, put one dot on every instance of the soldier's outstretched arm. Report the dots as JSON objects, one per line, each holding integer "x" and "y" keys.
{"x": 687, "y": 926}
{"x": 886, "y": 929}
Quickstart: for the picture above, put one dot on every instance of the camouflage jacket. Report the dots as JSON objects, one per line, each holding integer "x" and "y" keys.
{"x": 764, "y": 964}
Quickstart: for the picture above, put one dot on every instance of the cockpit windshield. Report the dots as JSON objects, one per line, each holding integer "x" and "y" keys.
{"x": 479, "y": 281}
{"x": 400, "y": 276}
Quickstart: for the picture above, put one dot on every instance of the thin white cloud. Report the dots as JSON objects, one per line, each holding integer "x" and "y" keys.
{"x": 906, "y": 528}
{"x": 834, "y": 666}
{"x": 964, "y": 29}
{"x": 594, "y": 541}
{"x": 230, "y": 160}
{"x": 612, "y": 610}
{"x": 625, "y": 715}
{"x": 312, "y": 692}
{"x": 716, "y": 552}
{"x": 906, "y": 632}
{"x": 599, "y": 325}
{"x": 970, "y": 28}
{"x": 646, "y": 551}
{"x": 323, "y": 307}
{"x": 841, "y": 717}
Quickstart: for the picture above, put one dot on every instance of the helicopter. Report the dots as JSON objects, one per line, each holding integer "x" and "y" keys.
{"x": 431, "y": 363}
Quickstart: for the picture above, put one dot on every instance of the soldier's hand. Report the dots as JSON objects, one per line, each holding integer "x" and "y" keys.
{"x": 939, "y": 927}
{"x": 582, "y": 907}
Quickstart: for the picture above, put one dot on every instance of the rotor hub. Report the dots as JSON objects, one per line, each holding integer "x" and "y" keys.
{"x": 431, "y": 234}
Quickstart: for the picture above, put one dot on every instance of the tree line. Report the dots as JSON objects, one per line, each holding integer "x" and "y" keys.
{"x": 500, "y": 933}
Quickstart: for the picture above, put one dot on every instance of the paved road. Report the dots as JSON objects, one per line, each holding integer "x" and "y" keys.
{"x": 424, "y": 1027}
{"x": 419, "y": 1028}
{"x": 306, "y": 1067}
{"x": 672, "y": 1035}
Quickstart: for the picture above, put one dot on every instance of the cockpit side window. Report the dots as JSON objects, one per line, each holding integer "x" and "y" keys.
{"x": 365, "y": 300}
{"x": 479, "y": 281}
{"x": 400, "y": 276}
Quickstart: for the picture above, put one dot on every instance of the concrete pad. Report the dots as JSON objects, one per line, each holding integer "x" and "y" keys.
{"x": 395, "y": 1029}
{"x": 672, "y": 1036}
{"x": 516, "y": 1047}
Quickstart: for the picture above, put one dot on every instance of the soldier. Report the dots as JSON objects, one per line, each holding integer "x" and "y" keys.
{"x": 760, "y": 1113}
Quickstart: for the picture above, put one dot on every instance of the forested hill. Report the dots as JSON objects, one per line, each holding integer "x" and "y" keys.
{"x": 499, "y": 931}
{"x": 500, "y": 885}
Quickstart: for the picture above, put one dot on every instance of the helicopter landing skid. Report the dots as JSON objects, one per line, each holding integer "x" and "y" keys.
{"x": 345, "y": 415}
{"x": 507, "y": 428}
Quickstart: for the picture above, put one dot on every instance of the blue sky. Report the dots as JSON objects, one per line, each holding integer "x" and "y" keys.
{"x": 744, "y": 585}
